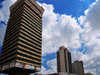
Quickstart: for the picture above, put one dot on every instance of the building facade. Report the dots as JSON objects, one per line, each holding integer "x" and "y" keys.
{"x": 64, "y": 62}
{"x": 77, "y": 68}
{"x": 88, "y": 74}
{"x": 23, "y": 38}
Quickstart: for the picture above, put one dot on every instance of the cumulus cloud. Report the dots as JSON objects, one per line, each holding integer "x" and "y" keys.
{"x": 43, "y": 69}
{"x": 91, "y": 18}
{"x": 59, "y": 30}
{"x": 91, "y": 22}
{"x": 4, "y": 16}
{"x": 4, "y": 11}
{"x": 52, "y": 64}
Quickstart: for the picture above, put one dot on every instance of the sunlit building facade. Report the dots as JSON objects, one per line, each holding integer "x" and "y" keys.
{"x": 64, "y": 62}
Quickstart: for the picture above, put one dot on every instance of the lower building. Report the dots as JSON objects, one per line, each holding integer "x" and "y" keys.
{"x": 88, "y": 74}
{"x": 60, "y": 73}
{"x": 77, "y": 68}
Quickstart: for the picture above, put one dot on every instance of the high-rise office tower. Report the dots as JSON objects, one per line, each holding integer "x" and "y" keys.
{"x": 77, "y": 68}
{"x": 64, "y": 62}
{"x": 21, "y": 50}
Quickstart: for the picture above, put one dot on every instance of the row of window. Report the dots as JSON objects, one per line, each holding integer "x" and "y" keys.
{"x": 33, "y": 27}
{"x": 29, "y": 56}
{"x": 9, "y": 51}
{"x": 11, "y": 27}
{"x": 34, "y": 6}
{"x": 33, "y": 48}
{"x": 26, "y": 18}
{"x": 28, "y": 60}
{"x": 35, "y": 41}
{"x": 30, "y": 53}
{"x": 30, "y": 46}
{"x": 28, "y": 50}
{"x": 14, "y": 24}
{"x": 12, "y": 30}
{"x": 33, "y": 21}
{"x": 9, "y": 42}
{"x": 11, "y": 47}
{"x": 32, "y": 13}
{"x": 35, "y": 11}
{"x": 8, "y": 59}
{"x": 33, "y": 18}
{"x": 8, "y": 55}
{"x": 31, "y": 40}
{"x": 16, "y": 8}
{"x": 14, "y": 19}
{"x": 17, "y": 13}
{"x": 33, "y": 44}
{"x": 10, "y": 37}
{"x": 30, "y": 32}
{"x": 30, "y": 36}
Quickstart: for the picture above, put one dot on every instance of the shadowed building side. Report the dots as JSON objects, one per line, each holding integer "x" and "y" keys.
{"x": 77, "y": 68}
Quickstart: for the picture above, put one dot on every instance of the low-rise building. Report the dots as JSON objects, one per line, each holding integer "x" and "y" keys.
{"x": 77, "y": 68}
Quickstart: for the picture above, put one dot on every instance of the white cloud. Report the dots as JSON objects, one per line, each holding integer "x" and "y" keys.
{"x": 52, "y": 64}
{"x": 92, "y": 16}
{"x": 4, "y": 11}
{"x": 59, "y": 30}
{"x": 4, "y": 15}
{"x": 43, "y": 69}
{"x": 53, "y": 67}
{"x": 91, "y": 22}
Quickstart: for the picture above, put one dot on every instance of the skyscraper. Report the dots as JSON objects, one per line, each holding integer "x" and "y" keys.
{"x": 77, "y": 68}
{"x": 64, "y": 62}
{"x": 21, "y": 50}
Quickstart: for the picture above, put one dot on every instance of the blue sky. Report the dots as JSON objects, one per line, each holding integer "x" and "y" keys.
{"x": 0, "y": 50}
{"x": 69, "y": 7}
{"x": 72, "y": 23}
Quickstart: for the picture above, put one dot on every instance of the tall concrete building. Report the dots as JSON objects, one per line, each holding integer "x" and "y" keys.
{"x": 77, "y": 68}
{"x": 64, "y": 62}
{"x": 21, "y": 52}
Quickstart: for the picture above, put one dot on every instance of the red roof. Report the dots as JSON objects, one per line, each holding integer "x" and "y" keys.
{"x": 63, "y": 48}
